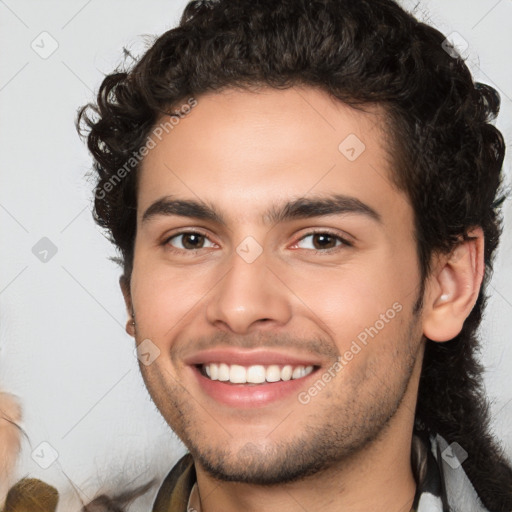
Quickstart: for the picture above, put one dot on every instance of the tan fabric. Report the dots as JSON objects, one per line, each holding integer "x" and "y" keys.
{"x": 194, "y": 503}
{"x": 175, "y": 491}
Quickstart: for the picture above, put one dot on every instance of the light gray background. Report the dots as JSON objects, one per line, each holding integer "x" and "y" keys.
{"x": 63, "y": 347}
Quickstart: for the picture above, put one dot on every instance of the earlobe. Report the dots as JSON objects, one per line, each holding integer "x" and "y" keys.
{"x": 125, "y": 288}
{"x": 453, "y": 288}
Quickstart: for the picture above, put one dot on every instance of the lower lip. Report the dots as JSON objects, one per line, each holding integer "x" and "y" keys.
{"x": 248, "y": 396}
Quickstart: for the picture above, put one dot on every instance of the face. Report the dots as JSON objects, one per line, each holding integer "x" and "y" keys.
{"x": 275, "y": 274}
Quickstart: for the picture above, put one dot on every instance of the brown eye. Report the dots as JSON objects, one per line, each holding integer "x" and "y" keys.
{"x": 190, "y": 241}
{"x": 322, "y": 241}
{"x": 193, "y": 241}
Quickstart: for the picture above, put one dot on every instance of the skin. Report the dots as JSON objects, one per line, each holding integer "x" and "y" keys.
{"x": 348, "y": 448}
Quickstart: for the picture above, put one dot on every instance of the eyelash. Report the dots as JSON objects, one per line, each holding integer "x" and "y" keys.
{"x": 343, "y": 241}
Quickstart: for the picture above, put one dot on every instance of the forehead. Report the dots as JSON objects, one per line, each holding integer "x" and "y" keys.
{"x": 242, "y": 149}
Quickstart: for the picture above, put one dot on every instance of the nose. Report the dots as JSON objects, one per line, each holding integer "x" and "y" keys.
{"x": 249, "y": 296}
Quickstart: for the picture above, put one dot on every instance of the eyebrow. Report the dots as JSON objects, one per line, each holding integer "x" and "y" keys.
{"x": 300, "y": 208}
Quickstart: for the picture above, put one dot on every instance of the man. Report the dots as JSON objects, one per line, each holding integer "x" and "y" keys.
{"x": 305, "y": 198}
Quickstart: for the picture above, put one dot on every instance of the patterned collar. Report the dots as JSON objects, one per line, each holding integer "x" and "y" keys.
{"x": 442, "y": 484}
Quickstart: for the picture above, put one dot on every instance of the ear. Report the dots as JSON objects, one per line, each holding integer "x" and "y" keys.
{"x": 124, "y": 283}
{"x": 453, "y": 288}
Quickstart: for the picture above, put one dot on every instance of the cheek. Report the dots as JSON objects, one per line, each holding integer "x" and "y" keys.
{"x": 360, "y": 304}
{"x": 165, "y": 297}
{"x": 351, "y": 297}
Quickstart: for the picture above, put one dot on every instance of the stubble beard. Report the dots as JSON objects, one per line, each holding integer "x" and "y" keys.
{"x": 352, "y": 421}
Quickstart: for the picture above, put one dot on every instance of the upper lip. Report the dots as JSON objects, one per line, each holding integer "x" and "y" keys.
{"x": 249, "y": 358}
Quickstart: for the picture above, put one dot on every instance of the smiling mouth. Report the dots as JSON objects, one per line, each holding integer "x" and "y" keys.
{"x": 254, "y": 374}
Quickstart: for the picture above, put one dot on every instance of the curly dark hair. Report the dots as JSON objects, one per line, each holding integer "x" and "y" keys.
{"x": 447, "y": 155}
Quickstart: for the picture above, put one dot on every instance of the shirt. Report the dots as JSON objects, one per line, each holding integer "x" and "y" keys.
{"x": 441, "y": 483}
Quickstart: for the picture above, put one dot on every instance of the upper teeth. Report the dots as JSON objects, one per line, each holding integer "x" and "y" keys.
{"x": 255, "y": 374}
